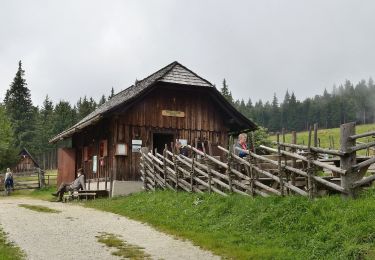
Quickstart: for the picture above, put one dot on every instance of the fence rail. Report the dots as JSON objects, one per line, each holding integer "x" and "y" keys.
{"x": 288, "y": 169}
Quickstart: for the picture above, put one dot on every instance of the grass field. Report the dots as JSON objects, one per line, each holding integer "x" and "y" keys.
{"x": 324, "y": 135}
{"x": 261, "y": 228}
{"x": 7, "y": 250}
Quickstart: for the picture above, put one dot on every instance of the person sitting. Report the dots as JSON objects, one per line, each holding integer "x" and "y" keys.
{"x": 241, "y": 143}
{"x": 8, "y": 180}
{"x": 76, "y": 185}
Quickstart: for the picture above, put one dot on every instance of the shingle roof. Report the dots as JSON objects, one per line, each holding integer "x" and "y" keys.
{"x": 172, "y": 73}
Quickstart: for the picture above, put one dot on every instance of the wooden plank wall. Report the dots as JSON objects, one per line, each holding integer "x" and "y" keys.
{"x": 203, "y": 120}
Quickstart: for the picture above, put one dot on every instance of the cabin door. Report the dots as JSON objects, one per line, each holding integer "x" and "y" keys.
{"x": 66, "y": 164}
{"x": 159, "y": 140}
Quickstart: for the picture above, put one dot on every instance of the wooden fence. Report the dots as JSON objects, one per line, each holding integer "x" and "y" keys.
{"x": 288, "y": 169}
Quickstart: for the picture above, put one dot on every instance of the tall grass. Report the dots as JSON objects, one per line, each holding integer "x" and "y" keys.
{"x": 258, "y": 228}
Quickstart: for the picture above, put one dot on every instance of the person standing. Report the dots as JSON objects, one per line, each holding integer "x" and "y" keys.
{"x": 8, "y": 181}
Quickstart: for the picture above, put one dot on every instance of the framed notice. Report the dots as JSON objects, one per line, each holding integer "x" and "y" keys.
{"x": 136, "y": 146}
{"x": 121, "y": 149}
{"x": 94, "y": 164}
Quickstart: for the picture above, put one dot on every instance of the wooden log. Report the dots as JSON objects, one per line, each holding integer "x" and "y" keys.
{"x": 362, "y": 135}
{"x": 363, "y": 164}
{"x": 309, "y": 168}
{"x": 346, "y": 162}
{"x": 164, "y": 165}
{"x": 267, "y": 188}
{"x": 280, "y": 170}
{"x": 315, "y": 149}
{"x": 275, "y": 178}
{"x": 363, "y": 181}
{"x": 261, "y": 193}
{"x": 292, "y": 187}
{"x": 207, "y": 167}
{"x": 303, "y": 158}
{"x": 240, "y": 192}
{"x": 175, "y": 165}
{"x": 209, "y": 157}
{"x": 294, "y": 161}
{"x": 361, "y": 146}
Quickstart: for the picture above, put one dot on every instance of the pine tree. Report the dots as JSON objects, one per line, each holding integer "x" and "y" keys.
{"x": 102, "y": 100}
{"x": 112, "y": 94}
{"x": 44, "y": 127}
{"x": 226, "y": 92}
{"x": 8, "y": 153}
{"x": 20, "y": 110}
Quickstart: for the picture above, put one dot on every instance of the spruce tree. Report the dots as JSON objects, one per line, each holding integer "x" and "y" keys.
{"x": 226, "y": 92}
{"x": 20, "y": 110}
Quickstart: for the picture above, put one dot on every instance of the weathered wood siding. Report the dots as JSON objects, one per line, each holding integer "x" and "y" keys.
{"x": 202, "y": 120}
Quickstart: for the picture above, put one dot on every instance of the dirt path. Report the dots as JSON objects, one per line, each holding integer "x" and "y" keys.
{"x": 71, "y": 233}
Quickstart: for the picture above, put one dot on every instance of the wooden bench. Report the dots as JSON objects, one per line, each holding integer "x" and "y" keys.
{"x": 78, "y": 195}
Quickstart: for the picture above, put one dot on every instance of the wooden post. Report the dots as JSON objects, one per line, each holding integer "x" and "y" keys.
{"x": 315, "y": 157}
{"x": 153, "y": 169}
{"x": 348, "y": 160}
{"x": 229, "y": 158}
{"x": 175, "y": 164}
{"x": 192, "y": 172}
{"x": 250, "y": 171}
{"x": 143, "y": 159}
{"x": 310, "y": 167}
{"x": 294, "y": 161}
{"x": 316, "y": 135}
{"x": 165, "y": 165}
{"x": 208, "y": 168}
{"x": 279, "y": 165}
{"x": 111, "y": 182}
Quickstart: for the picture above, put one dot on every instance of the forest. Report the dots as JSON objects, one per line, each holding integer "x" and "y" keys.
{"x": 24, "y": 125}
{"x": 345, "y": 103}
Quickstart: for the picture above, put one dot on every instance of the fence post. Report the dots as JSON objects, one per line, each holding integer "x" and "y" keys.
{"x": 310, "y": 167}
{"x": 279, "y": 165}
{"x": 192, "y": 172}
{"x": 294, "y": 161}
{"x": 228, "y": 171}
{"x": 346, "y": 161}
{"x": 143, "y": 168}
{"x": 208, "y": 168}
{"x": 165, "y": 165}
{"x": 175, "y": 164}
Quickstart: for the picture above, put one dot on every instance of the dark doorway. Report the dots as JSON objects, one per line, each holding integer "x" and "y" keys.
{"x": 159, "y": 140}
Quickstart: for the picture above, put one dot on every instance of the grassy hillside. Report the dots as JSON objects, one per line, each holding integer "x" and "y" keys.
{"x": 261, "y": 228}
{"x": 324, "y": 134}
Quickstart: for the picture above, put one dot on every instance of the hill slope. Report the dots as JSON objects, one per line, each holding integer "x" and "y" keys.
{"x": 240, "y": 227}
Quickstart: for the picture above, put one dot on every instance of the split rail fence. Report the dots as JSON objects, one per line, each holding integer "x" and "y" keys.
{"x": 288, "y": 168}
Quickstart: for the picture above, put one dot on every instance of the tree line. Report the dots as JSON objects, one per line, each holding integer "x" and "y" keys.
{"x": 24, "y": 125}
{"x": 347, "y": 102}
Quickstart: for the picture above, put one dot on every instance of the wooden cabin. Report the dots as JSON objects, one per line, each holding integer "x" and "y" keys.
{"x": 26, "y": 162}
{"x": 172, "y": 103}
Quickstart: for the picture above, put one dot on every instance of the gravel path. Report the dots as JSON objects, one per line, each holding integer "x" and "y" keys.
{"x": 71, "y": 233}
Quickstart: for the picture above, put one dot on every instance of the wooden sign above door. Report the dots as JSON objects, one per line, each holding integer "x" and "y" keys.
{"x": 173, "y": 113}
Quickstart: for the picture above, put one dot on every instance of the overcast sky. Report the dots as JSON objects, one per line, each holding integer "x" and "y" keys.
{"x": 74, "y": 48}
